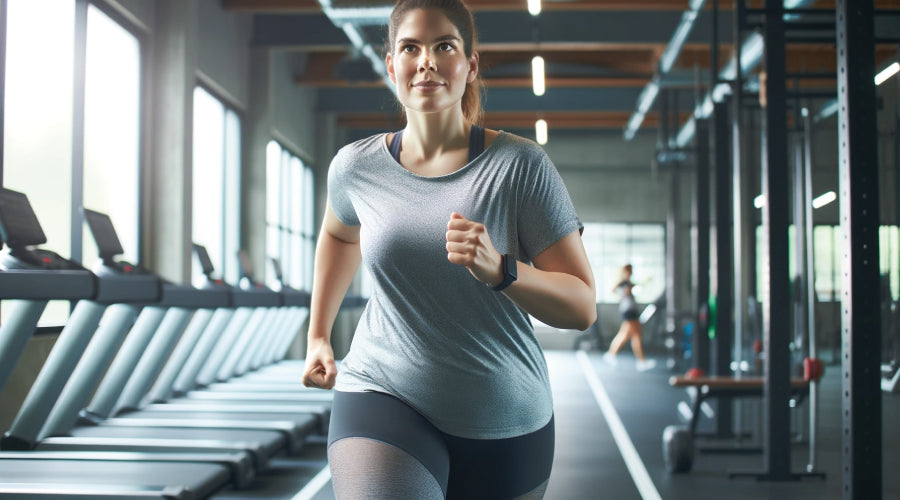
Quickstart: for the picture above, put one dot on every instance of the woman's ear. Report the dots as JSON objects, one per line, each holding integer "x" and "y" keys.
{"x": 473, "y": 68}
{"x": 388, "y": 59}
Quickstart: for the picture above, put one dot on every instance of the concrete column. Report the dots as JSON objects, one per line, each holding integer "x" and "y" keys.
{"x": 168, "y": 196}
{"x": 257, "y": 132}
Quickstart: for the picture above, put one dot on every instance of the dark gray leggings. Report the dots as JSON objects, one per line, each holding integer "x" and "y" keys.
{"x": 379, "y": 447}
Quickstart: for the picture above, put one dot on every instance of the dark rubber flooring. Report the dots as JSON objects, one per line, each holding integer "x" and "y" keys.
{"x": 588, "y": 463}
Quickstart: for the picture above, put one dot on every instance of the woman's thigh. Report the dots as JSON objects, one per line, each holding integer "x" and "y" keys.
{"x": 379, "y": 447}
{"x": 500, "y": 468}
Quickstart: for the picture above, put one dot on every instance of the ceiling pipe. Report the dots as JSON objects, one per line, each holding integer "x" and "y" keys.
{"x": 751, "y": 56}
{"x": 359, "y": 16}
{"x": 666, "y": 61}
{"x": 349, "y": 20}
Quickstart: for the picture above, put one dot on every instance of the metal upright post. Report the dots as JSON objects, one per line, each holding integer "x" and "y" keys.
{"x": 737, "y": 197}
{"x": 724, "y": 263}
{"x": 859, "y": 209}
{"x": 801, "y": 208}
{"x": 673, "y": 304}
{"x": 811, "y": 285}
{"x": 701, "y": 263}
{"x": 776, "y": 329}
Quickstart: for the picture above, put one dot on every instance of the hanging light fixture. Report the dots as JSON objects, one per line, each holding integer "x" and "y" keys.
{"x": 537, "y": 75}
{"x": 534, "y": 7}
{"x": 886, "y": 73}
{"x": 540, "y": 131}
{"x": 824, "y": 199}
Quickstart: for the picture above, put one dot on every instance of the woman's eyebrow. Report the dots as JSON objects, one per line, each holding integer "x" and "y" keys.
{"x": 404, "y": 41}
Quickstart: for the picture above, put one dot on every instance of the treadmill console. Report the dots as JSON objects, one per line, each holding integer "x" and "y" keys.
{"x": 206, "y": 266}
{"x": 276, "y": 265}
{"x": 108, "y": 245}
{"x": 21, "y": 231}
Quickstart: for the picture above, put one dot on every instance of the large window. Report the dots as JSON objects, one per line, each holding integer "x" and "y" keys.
{"x": 827, "y": 256}
{"x": 112, "y": 130}
{"x": 289, "y": 217}
{"x": 37, "y": 145}
{"x": 611, "y": 246}
{"x": 41, "y": 129}
{"x": 216, "y": 185}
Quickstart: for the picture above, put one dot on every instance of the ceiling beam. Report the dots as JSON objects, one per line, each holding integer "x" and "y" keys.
{"x": 310, "y": 6}
{"x": 586, "y": 70}
{"x": 581, "y": 120}
{"x": 560, "y": 30}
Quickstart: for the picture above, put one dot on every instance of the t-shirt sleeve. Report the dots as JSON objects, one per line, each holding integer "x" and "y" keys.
{"x": 339, "y": 185}
{"x": 546, "y": 212}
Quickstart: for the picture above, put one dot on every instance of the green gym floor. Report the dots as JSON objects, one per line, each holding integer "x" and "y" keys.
{"x": 616, "y": 452}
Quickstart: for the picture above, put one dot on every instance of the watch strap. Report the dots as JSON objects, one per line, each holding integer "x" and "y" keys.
{"x": 509, "y": 272}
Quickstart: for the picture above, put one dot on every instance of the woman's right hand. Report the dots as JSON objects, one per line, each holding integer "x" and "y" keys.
{"x": 320, "y": 370}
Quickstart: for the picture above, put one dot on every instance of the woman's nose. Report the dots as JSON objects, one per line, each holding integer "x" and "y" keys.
{"x": 426, "y": 62}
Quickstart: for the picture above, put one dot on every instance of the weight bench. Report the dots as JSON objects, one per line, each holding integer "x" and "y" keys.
{"x": 729, "y": 387}
{"x": 678, "y": 441}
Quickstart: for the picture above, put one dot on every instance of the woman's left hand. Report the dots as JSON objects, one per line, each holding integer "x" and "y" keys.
{"x": 469, "y": 245}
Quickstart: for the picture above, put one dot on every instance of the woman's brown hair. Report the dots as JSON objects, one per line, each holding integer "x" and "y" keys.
{"x": 461, "y": 17}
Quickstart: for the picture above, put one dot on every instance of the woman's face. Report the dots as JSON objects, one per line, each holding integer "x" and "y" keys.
{"x": 428, "y": 63}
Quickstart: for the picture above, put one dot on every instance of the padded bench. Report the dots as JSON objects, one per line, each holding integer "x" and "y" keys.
{"x": 678, "y": 441}
{"x": 715, "y": 387}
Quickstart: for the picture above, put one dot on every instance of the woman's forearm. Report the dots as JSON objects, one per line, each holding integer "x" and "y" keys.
{"x": 335, "y": 266}
{"x": 558, "y": 299}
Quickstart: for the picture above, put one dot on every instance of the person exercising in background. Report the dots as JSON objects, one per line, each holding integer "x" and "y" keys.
{"x": 631, "y": 328}
{"x": 444, "y": 392}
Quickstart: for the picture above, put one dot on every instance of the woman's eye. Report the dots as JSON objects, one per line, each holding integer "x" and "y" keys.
{"x": 445, "y": 47}
{"x": 408, "y": 48}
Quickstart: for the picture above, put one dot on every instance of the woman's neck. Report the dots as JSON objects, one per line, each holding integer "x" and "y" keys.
{"x": 430, "y": 135}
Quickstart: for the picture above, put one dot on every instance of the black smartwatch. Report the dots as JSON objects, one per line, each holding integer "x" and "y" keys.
{"x": 509, "y": 272}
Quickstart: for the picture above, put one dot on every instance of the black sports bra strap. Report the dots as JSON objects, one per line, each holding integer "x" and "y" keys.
{"x": 476, "y": 143}
{"x": 394, "y": 145}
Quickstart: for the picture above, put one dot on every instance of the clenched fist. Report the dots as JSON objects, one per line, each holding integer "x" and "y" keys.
{"x": 469, "y": 245}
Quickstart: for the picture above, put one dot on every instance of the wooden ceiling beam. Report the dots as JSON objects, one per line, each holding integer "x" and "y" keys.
{"x": 312, "y": 6}
{"x": 513, "y": 120}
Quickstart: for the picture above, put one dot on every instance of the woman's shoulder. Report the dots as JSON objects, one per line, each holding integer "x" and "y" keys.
{"x": 359, "y": 152}
{"x": 509, "y": 144}
{"x": 367, "y": 144}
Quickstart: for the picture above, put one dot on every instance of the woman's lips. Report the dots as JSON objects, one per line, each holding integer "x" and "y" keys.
{"x": 427, "y": 85}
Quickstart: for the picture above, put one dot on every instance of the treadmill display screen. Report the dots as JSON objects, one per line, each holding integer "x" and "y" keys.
{"x": 19, "y": 226}
{"x": 276, "y": 264}
{"x": 203, "y": 257}
{"x": 108, "y": 244}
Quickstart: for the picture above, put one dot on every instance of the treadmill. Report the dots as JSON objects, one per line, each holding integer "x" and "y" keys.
{"x": 29, "y": 278}
{"x": 213, "y": 350}
{"x": 276, "y": 378}
{"x": 262, "y": 386}
{"x": 130, "y": 371}
{"x": 65, "y": 427}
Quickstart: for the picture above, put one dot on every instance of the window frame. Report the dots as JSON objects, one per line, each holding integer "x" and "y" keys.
{"x": 295, "y": 227}
{"x": 227, "y": 269}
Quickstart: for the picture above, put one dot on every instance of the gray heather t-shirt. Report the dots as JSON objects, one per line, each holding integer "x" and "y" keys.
{"x": 460, "y": 353}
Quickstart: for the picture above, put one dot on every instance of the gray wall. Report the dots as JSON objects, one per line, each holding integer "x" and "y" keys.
{"x": 294, "y": 107}
{"x": 223, "y": 49}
